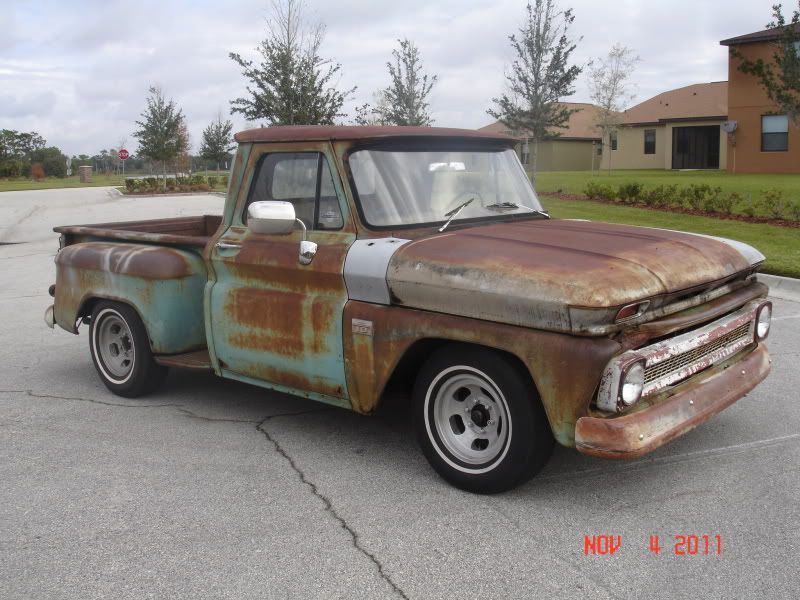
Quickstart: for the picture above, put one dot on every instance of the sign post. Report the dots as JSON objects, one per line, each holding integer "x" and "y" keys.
{"x": 123, "y": 156}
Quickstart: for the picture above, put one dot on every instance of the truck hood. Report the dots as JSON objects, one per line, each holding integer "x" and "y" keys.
{"x": 536, "y": 273}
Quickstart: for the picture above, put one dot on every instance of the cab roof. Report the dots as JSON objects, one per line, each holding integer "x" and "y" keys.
{"x": 293, "y": 133}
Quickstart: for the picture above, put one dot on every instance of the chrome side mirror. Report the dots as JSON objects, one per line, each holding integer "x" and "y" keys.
{"x": 276, "y": 217}
{"x": 272, "y": 217}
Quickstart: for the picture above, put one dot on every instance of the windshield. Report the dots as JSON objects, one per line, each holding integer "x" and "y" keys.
{"x": 411, "y": 187}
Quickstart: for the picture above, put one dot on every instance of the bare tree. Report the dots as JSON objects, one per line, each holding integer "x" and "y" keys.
{"x": 540, "y": 75}
{"x": 407, "y": 94}
{"x": 611, "y": 90}
{"x": 293, "y": 84}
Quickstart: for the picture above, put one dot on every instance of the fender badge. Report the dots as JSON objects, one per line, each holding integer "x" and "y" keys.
{"x": 361, "y": 327}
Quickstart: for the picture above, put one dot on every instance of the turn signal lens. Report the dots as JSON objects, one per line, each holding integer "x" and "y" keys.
{"x": 632, "y": 384}
{"x": 631, "y": 310}
{"x": 763, "y": 321}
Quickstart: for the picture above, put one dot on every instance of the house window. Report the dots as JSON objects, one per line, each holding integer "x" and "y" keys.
{"x": 649, "y": 141}
{"x": 774, "y": 133}
{"x": 613, "y": 139}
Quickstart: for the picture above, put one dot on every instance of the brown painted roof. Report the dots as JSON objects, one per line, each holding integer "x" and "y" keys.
{"x": 292, "y": 133}
{"x": 765, "y": 35}
{"x": 698, "y": 101}
{"x": 581, "y": 124}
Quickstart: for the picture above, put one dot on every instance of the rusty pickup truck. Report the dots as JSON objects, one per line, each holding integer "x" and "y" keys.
{"x": 352, "y": 260}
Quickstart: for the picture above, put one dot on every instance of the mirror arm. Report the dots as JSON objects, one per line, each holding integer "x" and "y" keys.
{"x": 303, "y": 226}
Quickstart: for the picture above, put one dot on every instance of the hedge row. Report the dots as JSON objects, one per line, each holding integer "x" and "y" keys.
{"x": 195, "y": 183}
{"x": 701, "y": 197}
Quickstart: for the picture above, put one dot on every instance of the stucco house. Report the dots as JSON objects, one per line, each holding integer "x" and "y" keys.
{"x": 764, "y": 139}
{"x": 678, "y": 129}
{"x": 575, "y": 148}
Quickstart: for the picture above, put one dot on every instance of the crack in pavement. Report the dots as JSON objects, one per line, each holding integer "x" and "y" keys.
{"x": 329, "y": 508}
{"x": 33, "y": 394}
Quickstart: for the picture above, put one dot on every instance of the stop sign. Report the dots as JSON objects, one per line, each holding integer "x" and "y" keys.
{"x": 123, "y": 154}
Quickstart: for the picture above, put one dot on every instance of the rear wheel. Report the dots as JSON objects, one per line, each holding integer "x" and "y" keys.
{"x": 479, "y": 420}
{"x": 120, "y": 350}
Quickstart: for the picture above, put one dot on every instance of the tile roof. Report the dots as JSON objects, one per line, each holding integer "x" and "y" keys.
{"x": 698, "y": 101}
{"x": 581, "y": 124}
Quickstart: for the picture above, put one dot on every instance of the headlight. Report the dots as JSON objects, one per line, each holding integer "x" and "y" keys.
{"x": 631, "y": 384}
{"x": 763, "y": 321}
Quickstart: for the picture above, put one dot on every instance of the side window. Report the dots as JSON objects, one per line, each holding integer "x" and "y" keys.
{"x": 305, "y": 180}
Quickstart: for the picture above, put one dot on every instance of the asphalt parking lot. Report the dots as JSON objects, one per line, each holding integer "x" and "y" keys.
{"x": 211, "y": 488}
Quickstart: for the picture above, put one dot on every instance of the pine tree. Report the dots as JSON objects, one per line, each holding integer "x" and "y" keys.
{"x": 293, "y": 84}
{"x": 217, "y": 141}
{"x": 540, "y": 75}
{"x": 406, "y": 97}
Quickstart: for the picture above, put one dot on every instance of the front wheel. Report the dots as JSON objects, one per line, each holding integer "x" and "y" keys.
{"x": 120, "y": 349}
{"x": 479, "y": 420}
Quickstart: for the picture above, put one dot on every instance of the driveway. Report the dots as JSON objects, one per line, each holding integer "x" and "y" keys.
{"x": 211, "y": 488}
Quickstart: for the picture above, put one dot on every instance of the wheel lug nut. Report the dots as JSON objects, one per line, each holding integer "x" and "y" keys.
{"x": 491, "y": 422}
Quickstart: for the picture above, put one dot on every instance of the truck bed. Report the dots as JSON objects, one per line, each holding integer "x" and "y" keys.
{"x": 177, "y": 231}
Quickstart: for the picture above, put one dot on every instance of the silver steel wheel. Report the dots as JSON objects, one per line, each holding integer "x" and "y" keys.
{"x": 470, "y": 417}
{"x": 113, "y": 346}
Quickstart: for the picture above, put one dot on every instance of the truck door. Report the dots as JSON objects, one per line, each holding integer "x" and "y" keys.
{"x": 273, "y": 320}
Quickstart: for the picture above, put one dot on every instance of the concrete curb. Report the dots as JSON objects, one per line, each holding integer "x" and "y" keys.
{"x": 168, "y": 194}
{"x": 785, "y": 288}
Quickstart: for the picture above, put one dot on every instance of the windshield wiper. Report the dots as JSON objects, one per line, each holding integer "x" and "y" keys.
{"x": 502, "y": 205}
{"x": 454, "y": 213}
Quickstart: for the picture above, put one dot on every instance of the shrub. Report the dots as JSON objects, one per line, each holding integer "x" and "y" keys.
{"x": 182, "y": 181}
{"x": 629, "y": 193}
{"x": 727, "y": 203}
{"x": 197, "y": 180}
{"x": 37, "y": 171}
{"x": 694, "y": 195}
{"x": 199, "y": 187}
{"x": 712, "y": 201}
{"x": 794, "y": 210}
{"x": 223, "y": 180}
{"x": 212, "y": 181}
{"x": 774, "y": 204}
{"x": 149, "y": 184}
{"x": 171, "y": 183}
{"x": 599, "y": 191}
{"x": 749, "y": 208}
{"x": 130, "y": 185}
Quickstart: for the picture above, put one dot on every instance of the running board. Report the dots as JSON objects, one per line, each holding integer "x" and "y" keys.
{"x": 197, "y": 361}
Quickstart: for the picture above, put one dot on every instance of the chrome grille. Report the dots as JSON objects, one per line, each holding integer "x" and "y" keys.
{"x": 680, "y": 362}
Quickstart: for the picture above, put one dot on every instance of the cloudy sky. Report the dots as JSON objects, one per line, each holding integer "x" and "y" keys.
{"x": 78, "y": 72}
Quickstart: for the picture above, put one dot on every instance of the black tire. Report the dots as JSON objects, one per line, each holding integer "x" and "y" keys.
{"x": 493, "y": 456}
{"x": 120, "y": 349}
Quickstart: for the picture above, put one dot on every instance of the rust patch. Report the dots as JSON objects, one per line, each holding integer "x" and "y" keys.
{"x": 270, "y": 321}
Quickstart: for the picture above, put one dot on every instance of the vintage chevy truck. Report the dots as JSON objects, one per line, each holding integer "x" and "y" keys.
{"x": 349, "y": 258}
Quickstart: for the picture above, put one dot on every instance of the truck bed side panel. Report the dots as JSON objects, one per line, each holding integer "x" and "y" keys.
{"x": 164, "y": 285}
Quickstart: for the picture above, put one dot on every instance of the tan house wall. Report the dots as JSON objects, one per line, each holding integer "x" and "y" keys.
{"x": 630, "y": 146}
{"x": 630, "y": 149}
{"x": 565, "y": 155}
{"x": 747, "y": 102}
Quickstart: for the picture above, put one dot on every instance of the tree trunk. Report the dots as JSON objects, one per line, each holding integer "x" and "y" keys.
{"x": 164, "y": 172}
{"x": 533, "y": 156}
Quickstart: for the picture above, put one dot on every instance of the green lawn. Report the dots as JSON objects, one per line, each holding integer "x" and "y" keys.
{"x": 21, "y": 184}
{"x": 781, "y": 245}
{"x": 574, "y": 182}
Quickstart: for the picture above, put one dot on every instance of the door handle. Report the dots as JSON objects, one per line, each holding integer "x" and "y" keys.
{"x": 228, "y": 246}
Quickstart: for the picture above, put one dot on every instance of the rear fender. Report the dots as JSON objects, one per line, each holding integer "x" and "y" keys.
{"x": 164, "y": 286}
